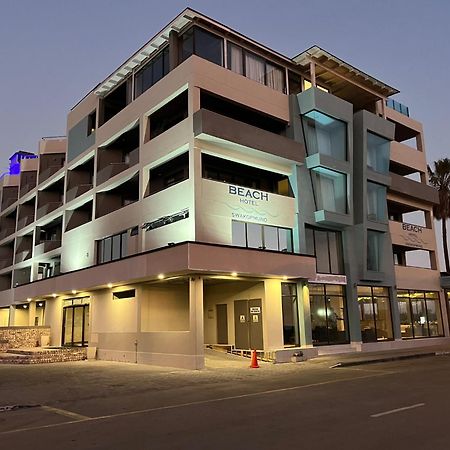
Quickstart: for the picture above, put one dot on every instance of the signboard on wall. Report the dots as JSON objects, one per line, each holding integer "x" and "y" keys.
{"x": 247, "y": 205}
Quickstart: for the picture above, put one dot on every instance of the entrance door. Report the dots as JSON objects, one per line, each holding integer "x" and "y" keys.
{"x": 248, "y": 324}
{"x": 222, "y": 324}
{"x": 75, "y": 325}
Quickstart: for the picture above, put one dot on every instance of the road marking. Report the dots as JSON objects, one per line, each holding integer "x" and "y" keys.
{"x": 65, "y": 413}
{"x": 184, "y": 405}
{"x": 393, "y": 411}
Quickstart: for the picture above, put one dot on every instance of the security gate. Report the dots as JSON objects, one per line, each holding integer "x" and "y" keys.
{"x": 248, "y": 324}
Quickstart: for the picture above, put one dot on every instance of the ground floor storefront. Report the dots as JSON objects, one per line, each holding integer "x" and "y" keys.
{"x": 170, "y": 320}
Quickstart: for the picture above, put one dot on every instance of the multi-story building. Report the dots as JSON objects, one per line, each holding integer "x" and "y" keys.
{"x": 213, "y": 191}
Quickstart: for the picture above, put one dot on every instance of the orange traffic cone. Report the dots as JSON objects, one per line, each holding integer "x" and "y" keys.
{"x": 254, "y": 364}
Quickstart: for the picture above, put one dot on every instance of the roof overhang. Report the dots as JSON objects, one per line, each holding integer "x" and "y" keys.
{"x": 341, "y": 76}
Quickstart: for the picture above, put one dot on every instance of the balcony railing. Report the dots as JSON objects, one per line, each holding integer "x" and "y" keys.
{"x": 76, "y": 191}
{"x": 397, "y": 106}
{"x": 48, "y": 172}
{"x": 46, "y": 246}
{"x": 47, "y": 208}
{"x": 24, "y": 221}
{"x": 8, "y": 202}
{"x": 24, "y": 189}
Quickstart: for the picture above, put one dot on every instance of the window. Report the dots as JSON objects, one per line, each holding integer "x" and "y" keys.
{"x": 326, "y": 246}
{"x": 376, "y": 202}
{"x": 202, "y": 43}
{"x": 115, "y": 101}
{"x": 151, "y": 73}
{"x": 92, "y": 122}
{"x": 374, "y": 313}
{"x": 307, "y": 85}
{"x": 169, "y": 115}
{"x": 129, "y": 293}
{"x": 378, "y": 153}
{"x": 325, "y": 135}
{"x": 113, "y": 247}
{"x": 374, "y": 244}
{"x": 420, "y": 314}
{"x": 265, "y": 237}
{"x": 256, "y": 68}
{"x": 330, "y": 189}
{"x": 169, "y": 174}
{"x": 328, "y": 314}
{"x": 225, "y": 171}
{"x": 289, "y": 304}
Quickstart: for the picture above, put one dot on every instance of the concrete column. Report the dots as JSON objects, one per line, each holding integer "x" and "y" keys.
{"x": 354, "y": 325}
{"x": 31, "y": 313}
{"x": 173, "y": 49}
{"x": 12, "y": 316}
{"x": 443, "y": 303}
{"x": 272, "y": 315}
{"x": 395, "y": 314}
{"x": 196, "y": 325}
{"x": 304, "y": 315}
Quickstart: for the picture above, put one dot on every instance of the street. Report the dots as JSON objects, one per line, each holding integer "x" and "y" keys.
{"x": 102, "y": 405}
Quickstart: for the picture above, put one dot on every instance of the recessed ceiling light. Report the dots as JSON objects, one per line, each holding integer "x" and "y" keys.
{"x": 284, "y": 277}
{"x": 234, "y": 274}
{"x": 74, "y": 291}
{"x": 161, "y": 276}
{"x": 54, "y": 295}
{"x": 28, "y": 299}
{"x": 110, "y": 285}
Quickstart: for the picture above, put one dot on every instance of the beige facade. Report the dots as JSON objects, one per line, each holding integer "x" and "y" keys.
{"x": 172, "y": 204}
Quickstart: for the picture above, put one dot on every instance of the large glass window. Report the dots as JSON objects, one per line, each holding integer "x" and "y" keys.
{"x": 256, "y": 68}
{"x": 374, "y": 244}
{"x": 378, "y": 153}
{"x": 374, "y": 313}
{"x": 325, "y": 135}
{"x": 420, "y": 314}
{"x": 151, "y": 73}
{"x": 291, "y": 334}
{"x": 328, "y": 314}
{"x": 168, "y": 174}
{"x": 113, "y": 247}
{"x": 220, "y": 169}
{"x": 326, "y": 246}
{"x": 376, "y": 202}
{"x": 330, "y": 190}
{"x": 200, "y": 42}
{"x": 265, "y": 237}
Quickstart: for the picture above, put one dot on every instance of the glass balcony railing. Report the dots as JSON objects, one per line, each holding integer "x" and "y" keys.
{"x": 397, "y": 106}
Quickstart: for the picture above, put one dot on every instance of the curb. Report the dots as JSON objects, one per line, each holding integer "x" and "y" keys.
{"x": 388, "y": 358}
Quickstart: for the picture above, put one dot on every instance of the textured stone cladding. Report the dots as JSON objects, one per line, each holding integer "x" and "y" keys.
{"x": 21, "y": 337}
{"x": 43, "y": 355}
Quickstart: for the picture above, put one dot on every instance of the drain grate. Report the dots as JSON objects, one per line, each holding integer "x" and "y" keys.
{"x": 7, "y": 408}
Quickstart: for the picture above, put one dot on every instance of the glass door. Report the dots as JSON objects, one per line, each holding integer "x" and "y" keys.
{"x": 75, "y": 325}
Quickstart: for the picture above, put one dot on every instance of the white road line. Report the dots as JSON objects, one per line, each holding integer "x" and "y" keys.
{"x": 393, "y": 411}
{"x": 197, "y": 403}
{"x": 65, "y": 413}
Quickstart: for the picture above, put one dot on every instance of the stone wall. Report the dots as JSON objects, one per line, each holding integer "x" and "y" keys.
{"x": 21, "y": 337}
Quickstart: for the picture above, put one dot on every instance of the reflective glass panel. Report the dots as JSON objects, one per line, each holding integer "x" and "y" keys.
{"x": 270, "y": 238}
{"x": 367, "y": 319}
{"x": 434, "y": 317}
{"x": 405, "y": 318}
{"x": 290, "y": 314}
{"x": 325, "y": 135}
{"x": 330, "y": 190}
{"x": 238, "y": 234}
{"x": 378, "y": 153}
{"x": 373, "y": 250}
{"x": 254, "y": 235}
{"x": 376, "y": 202}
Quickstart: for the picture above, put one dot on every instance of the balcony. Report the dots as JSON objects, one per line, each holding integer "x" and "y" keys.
{"x": 397, "y": 106}
{"x": 46, "y": 246}
{"x": 47, "y": 208}
{"x": 413, "y": 189}
{"x": 417, "y": 278}
{"x": 412, "y": 236}
{"x": 5, "y": 232}
{"x": 76, "y": 191}
{"x": 407, "y": 159}
{"x": 24, "y": 221}
{"x": 49, "y": 164}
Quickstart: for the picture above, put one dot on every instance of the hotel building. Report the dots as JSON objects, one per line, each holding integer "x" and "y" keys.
{"x": 212, "y": 191}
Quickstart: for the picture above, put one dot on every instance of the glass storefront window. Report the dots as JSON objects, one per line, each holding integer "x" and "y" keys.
{"x": 291, "y": 333}
{"x": 376, "y": 202}
{"x": 330, "y": 188}
{"x": 328, "y": 314}
{"x": 325, "y": 135}
{"x": 420, "y": 314}
{"x": 374, "y": 313}
{"x": 378, "y": 153}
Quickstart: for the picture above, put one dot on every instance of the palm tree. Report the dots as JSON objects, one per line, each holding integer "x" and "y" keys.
{"x": 440, "y": 179}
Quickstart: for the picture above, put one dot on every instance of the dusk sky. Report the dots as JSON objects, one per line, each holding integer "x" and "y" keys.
{"x": 53, "y": 52}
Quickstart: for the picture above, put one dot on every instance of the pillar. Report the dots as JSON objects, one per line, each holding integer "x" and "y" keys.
{"x": 304, "y": 314}
{"x": 272, "y": 315}
{"x": 196, "y": 325}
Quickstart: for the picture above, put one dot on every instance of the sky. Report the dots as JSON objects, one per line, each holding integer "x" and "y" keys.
{"x": 53, "y": 52}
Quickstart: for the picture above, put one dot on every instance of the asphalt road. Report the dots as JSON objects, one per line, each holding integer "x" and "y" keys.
{"x": 84, "y": 405}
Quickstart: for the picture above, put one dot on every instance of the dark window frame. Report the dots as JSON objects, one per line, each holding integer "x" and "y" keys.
{"x": 101, "y": 248}
{"x": 191, "y": 34}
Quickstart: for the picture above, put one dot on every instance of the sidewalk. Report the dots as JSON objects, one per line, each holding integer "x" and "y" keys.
{"x": 359, "y": 358}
